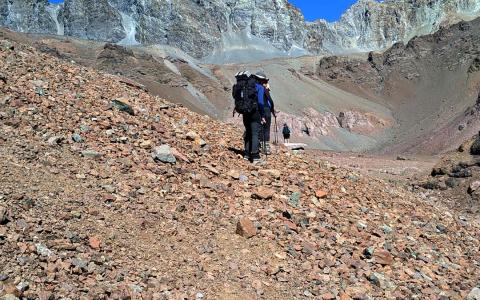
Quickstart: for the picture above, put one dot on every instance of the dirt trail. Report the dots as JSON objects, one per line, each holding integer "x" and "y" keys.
{"x": 394, "y": 168}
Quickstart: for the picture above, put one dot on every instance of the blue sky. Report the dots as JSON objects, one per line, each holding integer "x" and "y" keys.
{"x": 330, "y": 10}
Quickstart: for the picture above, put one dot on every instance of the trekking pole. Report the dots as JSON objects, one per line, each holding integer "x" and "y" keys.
{"x": 275, "y": 141}
{"x": 264, "y": 142}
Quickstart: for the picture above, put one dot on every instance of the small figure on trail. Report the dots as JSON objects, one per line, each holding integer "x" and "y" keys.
{"x": 306, "y": 130}
{"x": 286, "y": 133}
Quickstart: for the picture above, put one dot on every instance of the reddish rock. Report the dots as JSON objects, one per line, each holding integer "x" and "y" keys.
{"x": 321, "y": 194}
{"x": 383, "y": 257}
{"x": 179, "y": 155}
{"x": 246, "y": 228}
{"x": 291, "y": 225}
{"x": 344, "y": 296}
{"x": 263, "y": 193}
{"x": 328, "y": 296}
{"x": 94, "y": 242}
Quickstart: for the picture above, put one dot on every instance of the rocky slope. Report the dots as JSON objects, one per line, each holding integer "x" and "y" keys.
{"x": 108, "y": 192}
{"x": 455, "y": 179}
{"x": 225, "y": 31}
{"x": 337, "y": 120}
{"x": 432, "y": 85}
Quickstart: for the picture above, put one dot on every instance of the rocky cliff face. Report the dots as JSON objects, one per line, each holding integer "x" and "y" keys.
{"x": 26, "y": 16}
{"x": 431, "y": 83}
{"x": 370, "y": 25}
{"x": 236, "y": 27}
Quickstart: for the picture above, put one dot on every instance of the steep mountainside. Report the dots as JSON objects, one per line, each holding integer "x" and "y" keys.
{"x": 107, "y": 192}
{"x": 222, "y": 31}
{"x": 431, "y": 84}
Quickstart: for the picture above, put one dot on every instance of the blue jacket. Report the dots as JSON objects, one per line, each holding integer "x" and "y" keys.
{"x": 261, "y": 99}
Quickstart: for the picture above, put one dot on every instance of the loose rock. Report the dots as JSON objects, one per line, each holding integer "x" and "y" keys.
{"x": 246, "y": 228}
{"x": 164, "y": 154}
{"x": 263, "y": 193}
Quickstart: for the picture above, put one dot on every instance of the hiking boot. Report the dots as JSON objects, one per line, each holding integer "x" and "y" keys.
{"x": 246, "y": 157}
{"x": 259, "y": 162}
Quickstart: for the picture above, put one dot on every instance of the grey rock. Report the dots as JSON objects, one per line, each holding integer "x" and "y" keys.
{"x": 9, "y": 297}
{"x": 431, "y": 185}
{"x": 438, "y": 172}
{"x": 368, "y": 252}
{"x": 381, "y": 281}
{"x": 23, "y": 260}
{"x": 77, "y": 138}
{"x": 6, "y": 45}
{"x": 475, "y": 148}
{"x": 199, "y": 296}
{"x": 55, "y": 140}
{"x": 84, "y": 128}
{"x": 441, "y": 228}
{"x": 164, "y": 154}
{"x": 462, "y": 174}
{"x": 91, "y": 154}
{"x": 3, "y": 215}
{"x": 122, "y": 106}
{"x": 43, "y": 250}
{"x": 294, "y": 199}
{"x": 474, "y": 186}
{"x": 452, "y": 182}
{"x": 3, "y": 277}
{"x": 79, "y": 263}
{"x": 474, "y": 294}
{"x": 23, "y": 286}
{"x": 361, "y": 225}
{"x": 387, "y": 229}
{"x": 136, "y": 288}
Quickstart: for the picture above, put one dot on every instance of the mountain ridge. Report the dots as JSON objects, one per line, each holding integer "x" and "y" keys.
{"x": 236, "y": 28}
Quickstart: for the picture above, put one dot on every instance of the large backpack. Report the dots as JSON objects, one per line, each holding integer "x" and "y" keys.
{"x": 286, "y": 130}
{"x": 245, "y": 94}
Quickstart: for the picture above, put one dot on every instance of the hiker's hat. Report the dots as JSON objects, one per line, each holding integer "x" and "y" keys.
{"x": 261, "y": 75}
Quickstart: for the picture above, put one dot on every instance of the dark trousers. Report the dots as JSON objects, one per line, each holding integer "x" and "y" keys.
{"x": 251, "y": 137}
{"x": 266, "y": 128}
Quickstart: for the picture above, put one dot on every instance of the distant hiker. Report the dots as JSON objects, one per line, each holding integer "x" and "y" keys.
{"x": 306, "y": 130}
{"x": 286, "y": 133}
{"x": 245, "y": 93}
{"x": 269, "y": 110}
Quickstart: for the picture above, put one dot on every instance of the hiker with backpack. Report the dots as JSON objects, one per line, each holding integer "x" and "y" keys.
{"x": 245, "y": 92}
{"x": 286, "y": 133}
{"x": 269, "y": 109}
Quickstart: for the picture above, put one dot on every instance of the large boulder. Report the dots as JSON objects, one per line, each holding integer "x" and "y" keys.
{"x": 475, "y": 148}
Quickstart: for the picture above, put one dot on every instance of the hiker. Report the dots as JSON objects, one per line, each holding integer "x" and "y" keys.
{"x": 286, "y": 133}
{"x": 269, "y": 110}
{"x": 264, "y": 111}
{"x": 306, "y": 130}
{"x": 245, "y": 93}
